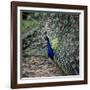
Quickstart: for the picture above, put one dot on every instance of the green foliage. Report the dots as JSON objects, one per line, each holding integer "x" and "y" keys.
{"x": 28, "y": 24}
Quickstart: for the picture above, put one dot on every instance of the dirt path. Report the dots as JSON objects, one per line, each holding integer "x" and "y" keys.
{"x": 39, "y": 67}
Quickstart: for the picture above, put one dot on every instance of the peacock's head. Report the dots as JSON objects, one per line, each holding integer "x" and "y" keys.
{"x": 45, "y": 36}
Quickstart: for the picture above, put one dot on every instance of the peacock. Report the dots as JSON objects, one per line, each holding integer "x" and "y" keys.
{"x": 52, "y": 46}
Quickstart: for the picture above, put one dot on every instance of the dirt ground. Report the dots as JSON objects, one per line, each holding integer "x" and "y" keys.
{"x": 36, "y": 66}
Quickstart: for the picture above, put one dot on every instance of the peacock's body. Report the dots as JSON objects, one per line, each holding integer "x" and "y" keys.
{"x": 50, "y": 51}
{"x": 52, "y": 46}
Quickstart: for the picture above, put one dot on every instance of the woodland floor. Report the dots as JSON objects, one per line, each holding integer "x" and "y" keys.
{"x": 39, "y": 67}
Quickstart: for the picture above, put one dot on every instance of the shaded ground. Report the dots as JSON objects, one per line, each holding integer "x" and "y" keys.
{"x": 39, "y": 67}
